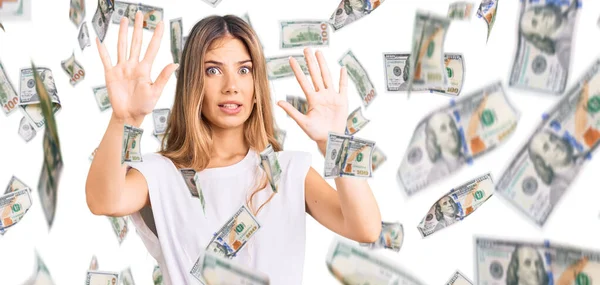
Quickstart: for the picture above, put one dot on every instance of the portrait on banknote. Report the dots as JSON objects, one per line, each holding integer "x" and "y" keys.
{"x": 526, "y": 267}
{"x": 443, "y": 145}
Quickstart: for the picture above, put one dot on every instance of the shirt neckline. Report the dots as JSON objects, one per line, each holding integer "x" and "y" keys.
{"x": 247, "y": 162}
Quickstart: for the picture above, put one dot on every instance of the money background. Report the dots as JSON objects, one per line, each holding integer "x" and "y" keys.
{"x": 393, "y": 119}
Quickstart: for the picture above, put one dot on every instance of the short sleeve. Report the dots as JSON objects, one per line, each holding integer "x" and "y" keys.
{"x": 296, "y": 163}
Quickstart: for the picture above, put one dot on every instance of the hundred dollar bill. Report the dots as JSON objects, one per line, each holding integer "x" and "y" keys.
{"x": 13, "y": 206}
{"x": 459, "y": 279}
{"x": 455, "y": 72}
{"x": 359, "y": 76}
{"x": 120, "y": 227}
{"x": 152, "y": 15}
{"x": 350, "y": 11}
{"x": 161, "y": 119}
{"x": 391, "y": 237}
{"x": 176, "y": 39}
{"x": 15, "y": 184}
{"x": 543, "y": 55}
{"x": 199, "y": 193}
{"x": 355, "y": 122}
{"x": 8, "y": 96}
{"x": 188, "y": 175}
{"x": 102, "y": 99}
{"x": 29, "y": 98}
{"x": 213, "y": 3}
{"x": 520, "y": 262}
{"x": 73, "y": 69}
{"x": 270, "y": 164}
{"x": 93, "y": 263}
{"x": 299, "y": 103}
{"x": 26, "y": 131}
{"x": 132, "y": 150}
{"x": 84, "y": 36}
{"x": 295, "y": 34}
{"x": 280, "y": 136}
{"x": 460, "y": 10}
{"x": 157, "y": 276}
{"x": 353, "y": 265}
{"x": 487, "y": 11}
{"x": 101, "y": 278}
{"x": 41, "y": 276}
{"x": 102, "y": 17}
{"x": 457, "y": 204}
{"x": 546, "y": 165}
{"x": 348, "y": 156}
{"x": 77, "y": 11}
{"x": 378, "y": 158}
{"x": 426, "y": 67}
{"x": 127, "y": 277}
{"x": 279, "y": 67}
{"x": 234, "y": 234}
{"x": 16, "y": 10}
{"x": 211, "y": 269}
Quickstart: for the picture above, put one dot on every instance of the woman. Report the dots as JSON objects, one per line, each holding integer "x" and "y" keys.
{"x": 220, "y": 120}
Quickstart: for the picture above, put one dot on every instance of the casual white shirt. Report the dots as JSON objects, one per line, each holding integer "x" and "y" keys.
{"x": 183, "y": 230}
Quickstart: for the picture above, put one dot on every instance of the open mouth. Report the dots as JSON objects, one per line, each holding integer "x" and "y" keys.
{"x": 229, "y": 106}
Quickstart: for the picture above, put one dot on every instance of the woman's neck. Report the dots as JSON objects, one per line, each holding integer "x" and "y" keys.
{"x": 228, "y": 147}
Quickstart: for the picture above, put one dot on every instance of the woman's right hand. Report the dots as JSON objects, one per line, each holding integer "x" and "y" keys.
{"x": 132, "y": 93}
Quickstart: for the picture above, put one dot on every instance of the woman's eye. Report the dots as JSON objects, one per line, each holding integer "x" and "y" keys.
{"x": 212, "y": 71}
{"x": 245, "y": 70}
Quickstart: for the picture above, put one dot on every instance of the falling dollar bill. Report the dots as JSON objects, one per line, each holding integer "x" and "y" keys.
{"x": 211, "y": 269}
{"x": 501, "y": 261}
{"x": 15, "y": 10}
{"x": 299, "y": 103}
{"x": 101, "y": 278}
{"x": 119, "y": 226}
{"x": 350, "y": 11}
{"x": 295, "y": 34}
{"x": 77, "y": 11}
{"x": 102, "y": 99}
{"x": 73, "y": 69}
{"x": 84, "y": 36}
{"x": 41, "y": 276}
{"x": 176, "y": 39}
{"x": 487, "y": 10}
{"x": 359, "y": 76}
{"x": 188, "y": 176}
{"x": 102, "y": 17}
{"x": 2, "y": 27}
{"x": 200, "y": 193}
{"x": 157, "y": 276}
{"x": 280, "y": 136}
{"x": 391, "y": 237}
{"x": 8, "y": 96}
{"x": 152, "y": 15}
{"x": 279, "y": 67}
{"x": 127, "y": 277}
{"x": 450, "y": 137}
{"x": 355, "y": 122}
{"x": 213, "y": 3}
{"x": 132, "y": 150}
{"x": 270, "y": 164}
{"x": 15, "y": 184}
{"x": 457, "y": 204}
{"x": 26, "y": 131}
{"x": 160, "y": 118}
{"x": 378, "y": 158}
{"x": 234, "y": 234}
{"x": 348, "y": 156}
{"x": 29, "y": 98}
{"x": 543, "y": 55}
{"x": 460, "y": 10}
{"x": 13, "y": 207}
{"x": 546, "y": 165}
{"x": 351, "y": 264}
{"x": 426, "y": 66}
{"x": 459, "y": 279}
{"x": 93, "y": 263}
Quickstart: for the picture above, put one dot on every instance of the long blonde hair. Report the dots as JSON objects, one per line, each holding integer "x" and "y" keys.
{"x": 189, "y": 142}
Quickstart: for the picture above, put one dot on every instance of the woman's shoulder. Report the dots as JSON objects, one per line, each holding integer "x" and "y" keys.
{"x": 155, "y": 161}
{"x": 294, "y": 159}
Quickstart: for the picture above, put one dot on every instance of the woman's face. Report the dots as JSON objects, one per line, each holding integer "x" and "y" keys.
{"x": 228, "y": 84}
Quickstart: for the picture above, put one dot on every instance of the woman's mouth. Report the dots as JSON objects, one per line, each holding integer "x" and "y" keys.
{"x": 230, "y": 108}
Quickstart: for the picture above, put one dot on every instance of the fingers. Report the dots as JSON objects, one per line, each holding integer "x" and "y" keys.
{"x": 313, "y": 69}
{"x": 301, "y": 77}
{"x": 324, "y": 70}
{"x": 154, "y": 43}
{"x": 343, "y": 80}
{"x": 163, "y": 77}
{"x": 293, "y": 112}
{"x": 136, "y": 41}
{"x": 122, "y": 43}
{"x": 104, "y": 56}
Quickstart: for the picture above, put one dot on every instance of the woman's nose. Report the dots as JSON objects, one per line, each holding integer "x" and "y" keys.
{"x": 230, "y": 86}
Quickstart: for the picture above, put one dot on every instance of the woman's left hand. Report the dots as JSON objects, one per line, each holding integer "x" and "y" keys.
{"x": 327, "y": 109}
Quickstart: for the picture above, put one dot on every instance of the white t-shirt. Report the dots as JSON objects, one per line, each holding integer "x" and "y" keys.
{"x": 276, "y": 249}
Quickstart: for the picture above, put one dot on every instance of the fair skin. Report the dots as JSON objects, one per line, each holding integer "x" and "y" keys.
{"x": 351, "y": 211}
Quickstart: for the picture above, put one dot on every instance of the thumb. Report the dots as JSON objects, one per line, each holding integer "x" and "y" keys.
{"x": 293, "y": 112}
{"x": 164, "y": 76}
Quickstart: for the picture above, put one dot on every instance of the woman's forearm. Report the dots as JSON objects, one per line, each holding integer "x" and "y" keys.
{"x": 359, "y": 208}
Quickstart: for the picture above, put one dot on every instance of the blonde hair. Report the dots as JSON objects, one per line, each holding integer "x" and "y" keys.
{"x": 188, "y": 142}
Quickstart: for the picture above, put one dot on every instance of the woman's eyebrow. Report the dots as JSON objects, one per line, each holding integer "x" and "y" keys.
{"x": 220, "y": 63}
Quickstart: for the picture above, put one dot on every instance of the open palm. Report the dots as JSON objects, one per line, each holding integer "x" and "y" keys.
{"x": 132, "y": 93}
{"x": 327, "y": 109}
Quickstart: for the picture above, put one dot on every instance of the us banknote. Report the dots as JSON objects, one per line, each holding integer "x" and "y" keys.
{"x": 73, "y": 69}
{"x": 16, "y": 10}
{"x": 188, "y": 176}
{"x": 176, "y": 27}
{"x": 77, "y": 11}
{"x": 120, "y": 227}
{"x": 459, "y": 279}
{"x": 84, "y": 36}
{"x": 160, "y": 118}
{"x": 29, "y": 98}
{"x": 543, "y": 55}
{"x": 378, "y": 158}
{"x": 102, "y": 17}
{"x": 426, "y": 66}
{"x": 391, "y": 237}
{"x": 270, "y": 164}
{"x": 213, "y": 3}
{"x": 152, "y": 15}
{"x": 500, "y": 261}
{"x": 102, "y": 99}
{"x": 101, "y": 278}
{"x": 356, "y": 121}
{"x": 132, "y": 150}
{"x": 279, "y": 67}
{"x": 544, "y": 168}
{"x": 453, "y": 136}
{"x": 15, "y": 184}
{"x": 350, "y": 11}
{"x": 93, "y": 263}
{"x": 26, "y": 131}
{"x": 8, "y": 96}
{"x": 299, "y": 103}
{"x": 13, "y": 206}
{"x": 460, "y": 10}
{"x": 353, "y": 265}
{"x": 157, "y": 276}
{"x": 215, "y": 270}
{"x": 280, "y": 136}
{"x": 126, "y": 277}
{"x": 487, "y": 10}
{"x": 457, "y": 204}
{"x": 364, "y": 85}
{"x": 293, "y": 34}
{"x": 200, "y": 193}
{"x": 234, "y": 234}
{"x": 348, "y": 156}
{"x": 41, "y": 276}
